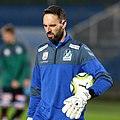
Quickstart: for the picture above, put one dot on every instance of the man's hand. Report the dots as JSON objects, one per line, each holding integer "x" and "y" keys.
{"x": 15, "y": 84}
{"x": 26, "y": 83}
{"x": 75, "y": 104}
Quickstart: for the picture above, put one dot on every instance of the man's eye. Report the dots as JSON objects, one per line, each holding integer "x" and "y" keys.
{"x": 45, "y": 25}
{"x": 52, "y": 25}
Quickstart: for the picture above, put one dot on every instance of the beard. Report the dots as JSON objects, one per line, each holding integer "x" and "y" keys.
{"x": 56, "y": 38}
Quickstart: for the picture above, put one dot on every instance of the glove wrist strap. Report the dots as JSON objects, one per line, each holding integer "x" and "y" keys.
{"x": 84, "y": 94}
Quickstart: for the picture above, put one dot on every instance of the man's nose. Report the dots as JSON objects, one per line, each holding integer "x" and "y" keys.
{"x": 48, "y": 29}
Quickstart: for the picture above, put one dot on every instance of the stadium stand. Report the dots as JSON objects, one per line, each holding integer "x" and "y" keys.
{"x": 32, "y": 15}
{"x": 102, "y": 33}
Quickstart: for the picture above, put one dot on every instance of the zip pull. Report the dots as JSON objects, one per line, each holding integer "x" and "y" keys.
{"x": 55, "y": 54}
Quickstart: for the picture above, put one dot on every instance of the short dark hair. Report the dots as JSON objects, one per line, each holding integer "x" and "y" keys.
{"x": 56, "y": 10}
{"x": 8, "y": 28}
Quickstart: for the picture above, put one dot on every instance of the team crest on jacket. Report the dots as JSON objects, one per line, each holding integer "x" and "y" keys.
{"x": 45, "y": 55}
{"x": 18, "y": 50}
{"x": 7, "y": 52}
{"x": 67, "y": 56}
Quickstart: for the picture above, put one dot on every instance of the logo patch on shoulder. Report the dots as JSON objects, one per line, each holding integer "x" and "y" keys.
{"x": 42, "y": 48}
{"x": 67, "y": 56}
{"x": 45, "y": 55}
{"x": 74, "y": 46}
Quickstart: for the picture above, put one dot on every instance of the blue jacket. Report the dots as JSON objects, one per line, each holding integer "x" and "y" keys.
{"x": 53, "y": 71}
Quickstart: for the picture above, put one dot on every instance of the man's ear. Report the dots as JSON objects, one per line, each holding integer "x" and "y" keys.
{"x": 64, "y": 23}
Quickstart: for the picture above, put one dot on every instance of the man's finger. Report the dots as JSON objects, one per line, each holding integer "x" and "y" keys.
{"x": 68, "y": 100}
{"x": 72, "y": 116}
{"x": 66, "y": 107}
{"x": 70, "y": 110}
{"x": 78, "y": 113}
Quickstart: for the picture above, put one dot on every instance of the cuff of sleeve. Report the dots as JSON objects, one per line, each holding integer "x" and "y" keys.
{"x": 92, "y": 93}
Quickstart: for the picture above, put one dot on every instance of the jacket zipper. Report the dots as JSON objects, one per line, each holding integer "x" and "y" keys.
{"x": 55, "y": 55}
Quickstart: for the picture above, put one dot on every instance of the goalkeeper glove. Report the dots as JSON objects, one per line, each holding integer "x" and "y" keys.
{"x": 29, "y": 118}
{"x": 74, "y": 105}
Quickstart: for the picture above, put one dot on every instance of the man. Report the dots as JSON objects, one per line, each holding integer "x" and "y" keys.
{"x": 57, "y": 62}
{"x": 14, "y": 72}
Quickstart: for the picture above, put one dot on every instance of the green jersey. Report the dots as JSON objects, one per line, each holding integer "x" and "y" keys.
{"x": 14, "y": 64}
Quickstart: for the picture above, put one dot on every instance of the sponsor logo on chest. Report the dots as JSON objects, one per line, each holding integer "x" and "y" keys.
{"x": 74, "y": 46}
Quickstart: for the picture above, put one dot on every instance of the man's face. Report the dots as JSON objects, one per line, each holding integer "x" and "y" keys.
{"x": 54, "y": 28}
{"x": 7, "y": 37}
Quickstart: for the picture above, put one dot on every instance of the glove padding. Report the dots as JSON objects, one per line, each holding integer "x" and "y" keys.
{"x": 29, "y": 118}
{"x": 74, "y": 105}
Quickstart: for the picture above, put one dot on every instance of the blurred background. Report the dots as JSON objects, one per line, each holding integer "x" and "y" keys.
{"x": 94, "y": 22}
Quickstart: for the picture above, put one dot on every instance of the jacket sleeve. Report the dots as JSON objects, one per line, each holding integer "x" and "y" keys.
{"x": 1, "y": 70}
{"x": 91, "y": 65}
{"x": 1, "y": 65}
{"x": 25, "y": 68}
{"x": 35, "y": 95}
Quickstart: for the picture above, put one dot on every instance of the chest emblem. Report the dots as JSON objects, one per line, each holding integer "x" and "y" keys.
{"x": 7, "y": 52}
{"x": 45, "y": 55}
{"x": 67, "y": 56}
{"x": 18, "y": 50}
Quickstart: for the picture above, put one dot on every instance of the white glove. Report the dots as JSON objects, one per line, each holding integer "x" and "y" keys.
{"x": 74, "y": 105}
{"x": 29, "y": 118}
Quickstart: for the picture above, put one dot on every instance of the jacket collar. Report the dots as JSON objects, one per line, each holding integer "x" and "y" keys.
{"x": 67, "y": 38}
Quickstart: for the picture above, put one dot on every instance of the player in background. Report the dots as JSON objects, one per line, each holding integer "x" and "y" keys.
{"x": 58, "y": 61}
{"x": 14, "y": 72}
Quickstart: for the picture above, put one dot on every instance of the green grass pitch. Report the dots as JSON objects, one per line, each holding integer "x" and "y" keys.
{"x": 96, "y": 110}
{"x": 102, "y": 110}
